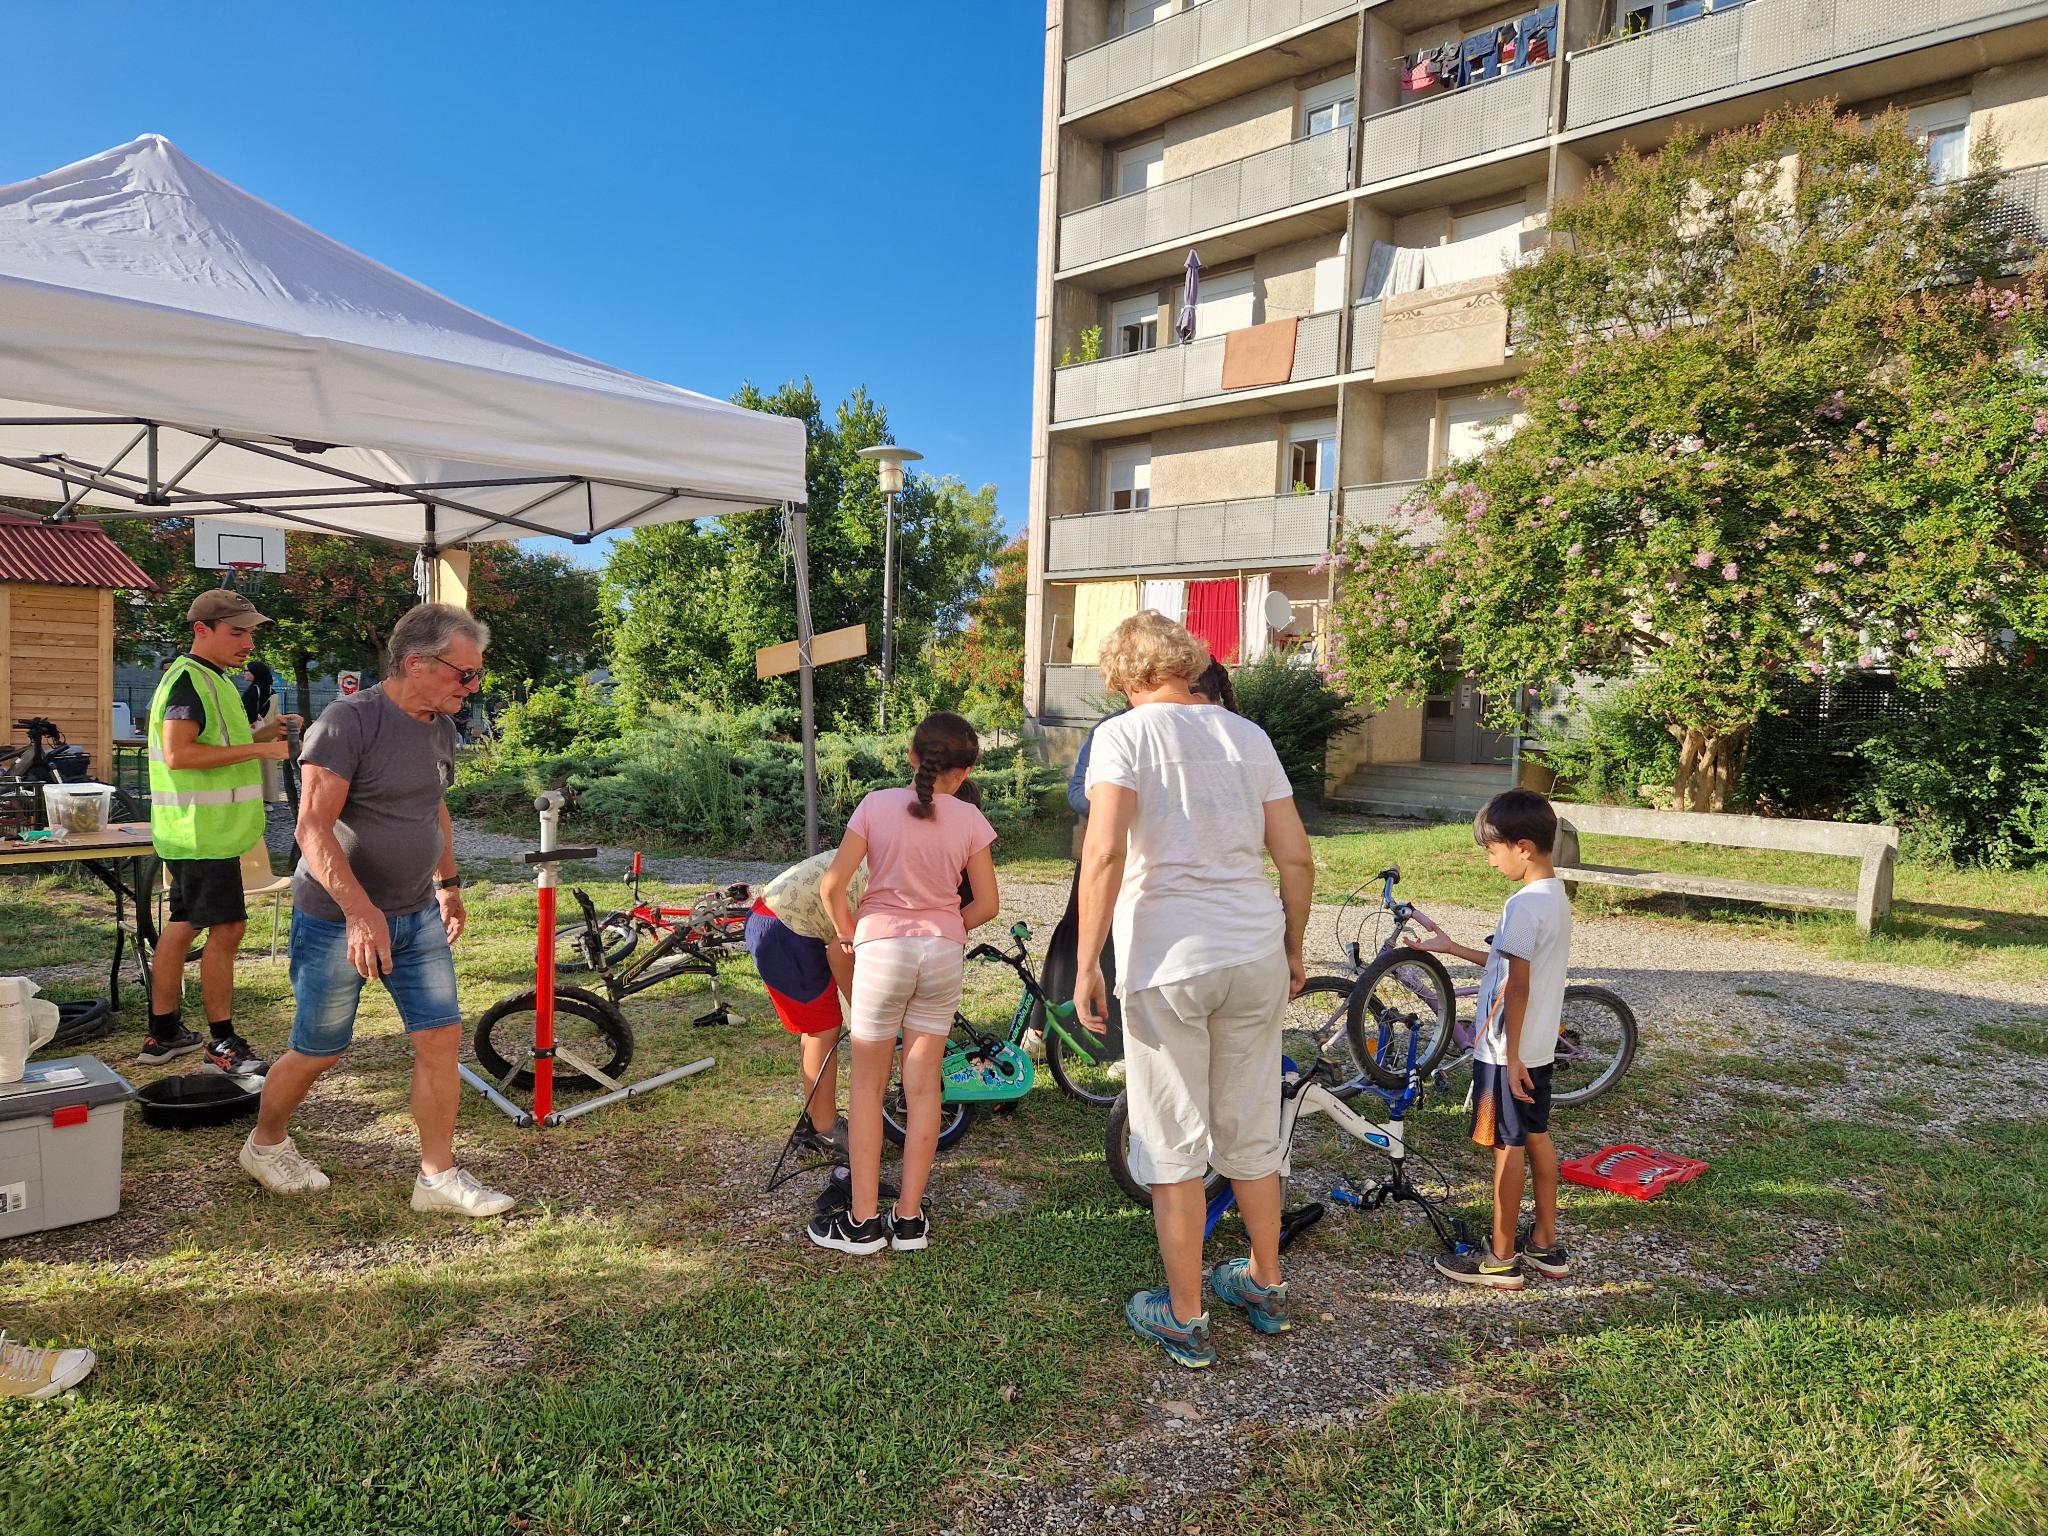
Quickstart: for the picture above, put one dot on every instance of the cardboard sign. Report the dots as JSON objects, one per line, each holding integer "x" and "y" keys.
{"x": 835, "y": 645}
{"x": 351, "y": 683}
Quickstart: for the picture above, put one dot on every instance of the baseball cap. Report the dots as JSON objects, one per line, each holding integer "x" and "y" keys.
{"x": 220, "y": 606}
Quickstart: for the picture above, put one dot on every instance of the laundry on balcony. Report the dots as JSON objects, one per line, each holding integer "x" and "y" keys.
{"x": 1215, "y": 617}
{"x": 1099, "y": 606}
{"x": 1256, "y": 355}
{"x": 1502, "y": 48}
{"x": 1169, "y": 598}
{"x": 1396, "y": 269}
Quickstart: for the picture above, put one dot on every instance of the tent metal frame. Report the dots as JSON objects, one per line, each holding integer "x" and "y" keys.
{"x": 151, "y": 494}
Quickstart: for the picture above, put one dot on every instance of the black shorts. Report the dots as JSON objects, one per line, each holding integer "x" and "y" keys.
{"x": 206, "y": 892}
{"x": 1499, "y": 1119}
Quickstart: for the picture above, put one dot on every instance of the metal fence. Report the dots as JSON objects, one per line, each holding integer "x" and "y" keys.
{"x": 1479, "y": 119}
{"x": 1183, "y": 41}
{"x": 1175, "y": 375}
{"x": 1252, "y": 531}
{"x": 1267, "y": 182}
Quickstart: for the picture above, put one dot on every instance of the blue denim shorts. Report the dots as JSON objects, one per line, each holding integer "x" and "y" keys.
{"x": 328, "y": 987}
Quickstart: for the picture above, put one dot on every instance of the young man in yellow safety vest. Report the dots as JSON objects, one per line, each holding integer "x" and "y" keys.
{"x": 206, "y": 811}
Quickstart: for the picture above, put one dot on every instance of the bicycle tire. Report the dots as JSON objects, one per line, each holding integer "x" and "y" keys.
{"x": 1097, "y": 1082}
{"x": 1311, "y": 1031}
{"x": 1617, "y": 1059}
{"x": 618, "y": 937}
{"x": 955, "y": 1119}
{"x": 586, "y": 1013}
{"x": 1410, "y": 983}
{"x": 1116, "y": 1145}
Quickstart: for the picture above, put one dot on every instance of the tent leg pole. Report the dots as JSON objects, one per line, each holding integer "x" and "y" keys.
{"x": 799, "y": 541}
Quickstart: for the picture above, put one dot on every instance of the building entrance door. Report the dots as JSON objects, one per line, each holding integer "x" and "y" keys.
{"x": 1454, "y": 728}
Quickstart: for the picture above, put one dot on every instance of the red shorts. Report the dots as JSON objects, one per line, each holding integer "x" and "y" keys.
{"x": 795, "y": 972}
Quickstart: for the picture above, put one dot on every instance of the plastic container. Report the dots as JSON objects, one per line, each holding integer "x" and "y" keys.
{"x": 1625, "y": 1168}
{"x": 60, "y": 1145}
{"x": 79, "y": 810}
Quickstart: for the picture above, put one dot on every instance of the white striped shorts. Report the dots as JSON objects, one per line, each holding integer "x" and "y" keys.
{"x": 905, "y": 984}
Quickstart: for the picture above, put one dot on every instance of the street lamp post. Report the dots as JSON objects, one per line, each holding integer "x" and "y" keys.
{"x": 888, "y": 460}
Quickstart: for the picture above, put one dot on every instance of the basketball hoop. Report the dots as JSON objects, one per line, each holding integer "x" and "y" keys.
{"x": 240, "y": 575}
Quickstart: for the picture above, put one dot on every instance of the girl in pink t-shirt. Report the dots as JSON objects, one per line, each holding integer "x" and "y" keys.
{"x": 909, "y": 939}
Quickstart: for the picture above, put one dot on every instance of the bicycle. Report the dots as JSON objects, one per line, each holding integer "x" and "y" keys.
{"x": 620, "y": 931}
{"x": 50, "y": 759}
{"x": 981, "y": 1067}
{"x": 1307, "y": 1091}
{"x": 593, "y": 1027}
{"x": 1596, "y": 1039}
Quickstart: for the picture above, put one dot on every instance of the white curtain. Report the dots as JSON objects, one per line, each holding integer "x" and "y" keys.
{"x": 1486, "y": 255}
{"x": 1257, "y": 636}
{"x": 1167, "y": 597}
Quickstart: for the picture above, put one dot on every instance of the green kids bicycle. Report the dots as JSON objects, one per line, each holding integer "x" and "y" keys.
{"x": 981, "y": 1067}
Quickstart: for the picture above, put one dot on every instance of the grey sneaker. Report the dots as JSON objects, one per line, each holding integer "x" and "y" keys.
{"x": 280, "y": 1169}
{"x": 461, "y": 1193}
{"x": 1552, "y": 1259}
{"x": 1265, "y": 1306}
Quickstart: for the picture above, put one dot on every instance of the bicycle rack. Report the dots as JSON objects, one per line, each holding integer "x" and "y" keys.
{"x": 547, "y": 858}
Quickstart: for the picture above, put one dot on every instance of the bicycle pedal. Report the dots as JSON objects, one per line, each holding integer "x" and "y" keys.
{"x": 715, "y": 1016}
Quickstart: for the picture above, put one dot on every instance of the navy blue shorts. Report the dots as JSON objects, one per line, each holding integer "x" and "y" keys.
{"x": 795, "y": 972}
{"x": 1499, "y": 1119}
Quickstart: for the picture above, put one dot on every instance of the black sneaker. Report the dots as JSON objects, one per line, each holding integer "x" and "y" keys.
{"x": 1480, "y": 1267}
{"x": 837, "y": 1194}
{"x": 908, "y": 1234}
{"x": 233, "y": 1055}
{"x": 170, "y": 1047}
{"x": 1552, "y": 1259}
{"x": 808, "y": 1138}
{"x": 838, "y": 1230}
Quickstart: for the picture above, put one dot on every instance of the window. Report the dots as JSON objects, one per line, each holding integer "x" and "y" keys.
{"x": 1134, "y": 325}
{"x": 1312, "y": 455}
{"x": 1328, "y": 106}
{"x": 1648, "y": 15}
{"x": 1139, "y": 167}
{"x": 1488, "y": 221}
{"x": 1226, "y": 303}
{"x": 1136, "y": 15}
{"x": 1944, "y": 127}
{"x": 1469, "y": 423}
{"x": 1127, "y": 477}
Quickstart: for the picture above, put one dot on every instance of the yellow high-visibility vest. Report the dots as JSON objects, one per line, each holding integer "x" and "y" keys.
{"x": 204, "y": 813}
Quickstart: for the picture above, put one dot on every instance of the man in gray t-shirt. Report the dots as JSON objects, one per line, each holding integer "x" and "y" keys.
{"x": 377, "y": 894}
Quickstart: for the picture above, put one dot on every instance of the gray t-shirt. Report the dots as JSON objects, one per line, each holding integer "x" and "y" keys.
{"x": 398, "y": 769}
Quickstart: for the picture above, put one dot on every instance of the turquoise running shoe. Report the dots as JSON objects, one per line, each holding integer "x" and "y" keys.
{"x": 1232, "y": 1284}
{"x": 1150, "y": 1314}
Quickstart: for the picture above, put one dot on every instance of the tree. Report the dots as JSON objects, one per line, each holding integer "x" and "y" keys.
{"x": 1781, "y": 421}
{"x": 984, "y": 662}
{"x": 542, "y": 609}
{"x": 685, "y": 606}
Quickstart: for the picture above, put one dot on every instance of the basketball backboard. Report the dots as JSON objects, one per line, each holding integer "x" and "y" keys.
{"x": 221, "y": 545}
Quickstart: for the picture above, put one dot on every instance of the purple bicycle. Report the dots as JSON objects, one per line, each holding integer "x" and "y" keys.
{"x": 1402, "y": 988}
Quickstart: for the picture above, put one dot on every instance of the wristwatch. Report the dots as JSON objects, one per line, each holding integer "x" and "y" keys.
{"x": 452, "y": 883}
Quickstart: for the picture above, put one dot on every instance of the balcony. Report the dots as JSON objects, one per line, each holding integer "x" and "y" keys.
{"x": 1479, "y": 120}
{"x": 2019, "y": 214}
{"x": 1177, "y": 375}
{"x": 1068, "y": 692}
{"x": 1199, "y": 36}
{"x": 1368, "y": 507}
{"x": 1754, "y": 44}
{"x": 1211, "y": 535}
{"x": 1265, "y": 183}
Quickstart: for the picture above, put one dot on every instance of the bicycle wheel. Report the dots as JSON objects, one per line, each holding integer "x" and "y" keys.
{"x": 1314, "y": 1029}
{"x": 955, "y": 1119}
{"x": 1128, "y": 1164}
{"x": 1096, "y": 1082}
{"x": 585, "y": 1024}
{"x": 1596, "y": 1041}
{"x": 1401, "y": 989}
{"x": 617, "y": 935}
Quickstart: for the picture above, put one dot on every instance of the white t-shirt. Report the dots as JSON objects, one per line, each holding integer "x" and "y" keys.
{"x": 1195, "y": 897}
{"x": 1536, "y": 926}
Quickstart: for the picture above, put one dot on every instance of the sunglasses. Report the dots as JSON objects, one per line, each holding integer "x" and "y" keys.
{"x": 467, "y": 676}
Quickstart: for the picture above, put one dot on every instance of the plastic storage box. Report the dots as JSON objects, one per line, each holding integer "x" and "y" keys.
{"x": 78, "y": 809}
{"x": 60, "y": 1144}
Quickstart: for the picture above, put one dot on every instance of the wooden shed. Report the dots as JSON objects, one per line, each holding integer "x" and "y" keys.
{"x": 57, "y": 586}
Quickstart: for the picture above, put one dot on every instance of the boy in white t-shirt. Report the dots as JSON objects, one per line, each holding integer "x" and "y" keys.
{"x": 1521, "y": 1003}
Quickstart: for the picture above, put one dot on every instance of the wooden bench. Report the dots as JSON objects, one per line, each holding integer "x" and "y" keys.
{"x": 1876, "y": 846}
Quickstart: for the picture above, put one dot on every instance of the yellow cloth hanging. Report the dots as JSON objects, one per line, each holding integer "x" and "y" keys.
{"x": 1099, "y": 606}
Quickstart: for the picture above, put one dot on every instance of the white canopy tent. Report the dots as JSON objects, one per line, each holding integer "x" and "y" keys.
{"x": 171, "y": 346}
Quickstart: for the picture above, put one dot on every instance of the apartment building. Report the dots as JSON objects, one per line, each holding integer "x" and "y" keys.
{"x": 1353, "y": 177}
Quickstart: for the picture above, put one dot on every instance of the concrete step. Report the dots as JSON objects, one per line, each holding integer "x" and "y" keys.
{"x": 1421, "y": 791}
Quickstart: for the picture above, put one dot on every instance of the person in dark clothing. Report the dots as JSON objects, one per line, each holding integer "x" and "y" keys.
{"x": 261, "y": 690}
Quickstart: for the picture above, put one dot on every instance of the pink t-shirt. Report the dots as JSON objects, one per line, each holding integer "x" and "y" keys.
{"x": 914, "y": 865}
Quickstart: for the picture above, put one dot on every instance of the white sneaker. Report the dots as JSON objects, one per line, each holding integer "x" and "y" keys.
{"x": 460, "y": 1192}
{"x": 280, "y": 1169}
{"x": 26, "y": 1372}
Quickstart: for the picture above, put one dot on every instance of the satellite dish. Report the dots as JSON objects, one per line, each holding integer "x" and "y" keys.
{"x": 1279, "y": 610}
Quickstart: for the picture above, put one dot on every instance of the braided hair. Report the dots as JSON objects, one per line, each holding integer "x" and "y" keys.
{"x": 942, "y": 742}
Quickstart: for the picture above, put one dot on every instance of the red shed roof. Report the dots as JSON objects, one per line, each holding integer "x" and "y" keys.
{"x": 65, "y": 555}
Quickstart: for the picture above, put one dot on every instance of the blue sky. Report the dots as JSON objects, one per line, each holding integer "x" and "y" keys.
{"x": 702, "y": 193}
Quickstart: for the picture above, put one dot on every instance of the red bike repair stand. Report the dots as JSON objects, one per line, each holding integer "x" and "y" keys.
{"x": 546, "y": 859}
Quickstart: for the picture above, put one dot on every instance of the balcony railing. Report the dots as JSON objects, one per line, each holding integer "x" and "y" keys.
{"x": 2019, "y": 214}
{"x": 1374, "y": 506}
{"x": 1069, "y": 692}
{"x": 1480, "y": 119}
{"x": 1756, "y": 42}
{"x": 1255, "y": 531}
{"x": 1183, "y": 41}
{"x": 1267, "y": 182}
{"x": 1365, "y": 335}
{"x": 1179, "y": 375}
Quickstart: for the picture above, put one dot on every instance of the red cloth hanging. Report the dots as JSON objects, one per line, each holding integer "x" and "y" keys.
{"x": 1215, "y": 617}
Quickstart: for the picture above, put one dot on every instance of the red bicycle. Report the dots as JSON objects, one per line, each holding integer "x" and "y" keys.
{"x": 619, "y": 932}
